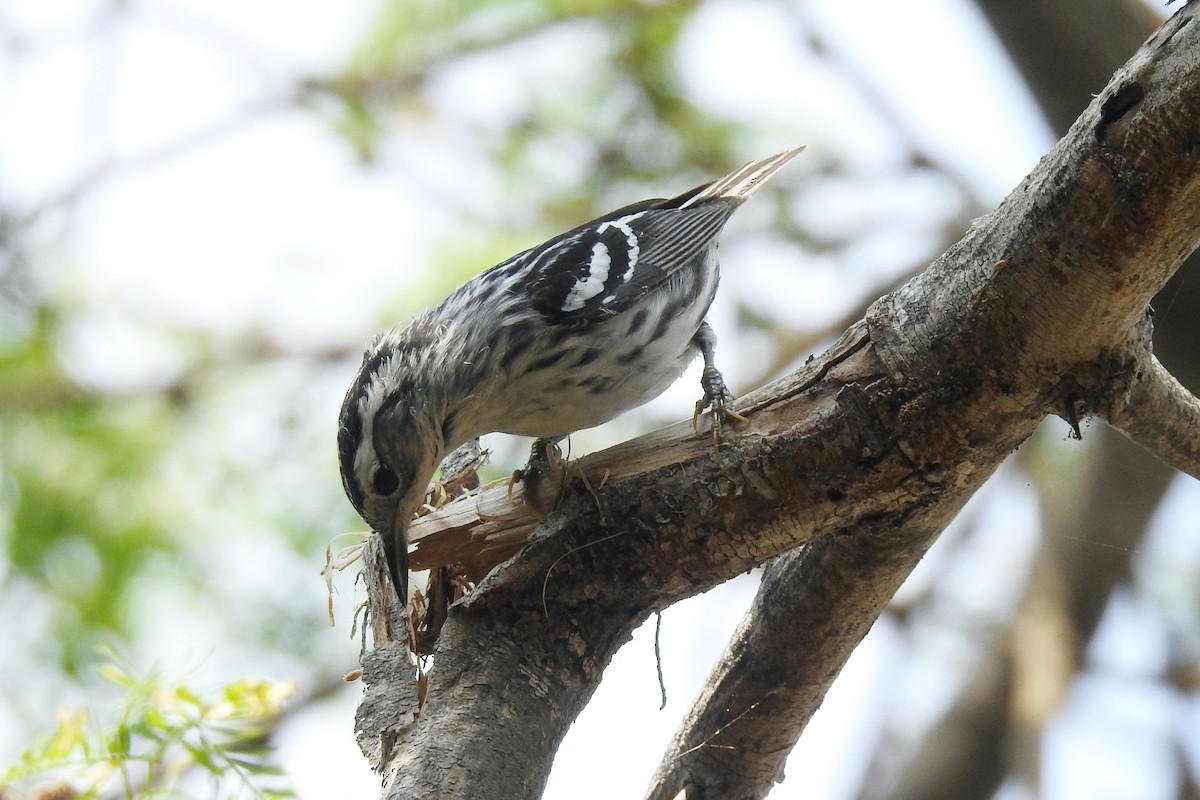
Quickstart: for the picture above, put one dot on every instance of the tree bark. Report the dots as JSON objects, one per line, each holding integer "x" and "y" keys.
{"x": 863, "y": 456}
{"x": 1093, "y": 525}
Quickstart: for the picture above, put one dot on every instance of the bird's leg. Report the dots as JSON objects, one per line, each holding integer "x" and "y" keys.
{"x": 545, "y": 454}
{"x": 545, "y": 458}
{"x": 716, "y": 394}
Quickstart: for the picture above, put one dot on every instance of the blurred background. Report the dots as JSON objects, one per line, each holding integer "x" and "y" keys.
{"x": 207, "y": 208}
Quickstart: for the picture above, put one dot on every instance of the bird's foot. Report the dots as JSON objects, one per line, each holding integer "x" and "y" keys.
{"x": 719, "y": 400}
{"x": 545, "y": 460}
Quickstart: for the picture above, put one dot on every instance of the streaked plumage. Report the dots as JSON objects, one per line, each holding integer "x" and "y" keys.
{"x": 561, "y": 337}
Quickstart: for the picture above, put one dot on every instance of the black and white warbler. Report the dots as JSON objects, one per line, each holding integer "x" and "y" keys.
{"x": 564, "y": 336}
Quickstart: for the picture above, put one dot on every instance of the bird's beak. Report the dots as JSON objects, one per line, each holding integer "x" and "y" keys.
{"x": 395, "y": 548}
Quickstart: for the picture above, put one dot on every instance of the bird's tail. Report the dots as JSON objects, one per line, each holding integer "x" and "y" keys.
{"x": 743, "y": 182}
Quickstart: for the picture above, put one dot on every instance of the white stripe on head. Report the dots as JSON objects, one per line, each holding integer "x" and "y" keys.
{"x": 385, "y": 376}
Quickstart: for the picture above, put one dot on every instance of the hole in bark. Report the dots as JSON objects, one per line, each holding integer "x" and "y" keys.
{"x": 1120, "y": 103}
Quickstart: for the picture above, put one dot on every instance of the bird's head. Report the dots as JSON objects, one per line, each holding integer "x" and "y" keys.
{"x": 390, "y": 439}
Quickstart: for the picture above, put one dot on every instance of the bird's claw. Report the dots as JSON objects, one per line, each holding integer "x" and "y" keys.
{"x": 719, "y": 399}
{"x": 545, "y": 457}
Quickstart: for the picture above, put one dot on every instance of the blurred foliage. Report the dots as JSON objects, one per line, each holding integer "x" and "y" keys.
{"x": 630, "y": 111}
{"x": 84, "y": 505}
{"x": 163, "y": 731}
{"x": 619, "y": 109}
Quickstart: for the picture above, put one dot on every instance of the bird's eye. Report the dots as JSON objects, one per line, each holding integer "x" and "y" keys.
{"x": 384, "y": 481}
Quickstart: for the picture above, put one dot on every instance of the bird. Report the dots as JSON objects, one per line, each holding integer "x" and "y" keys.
{"x": 561, "y": 337}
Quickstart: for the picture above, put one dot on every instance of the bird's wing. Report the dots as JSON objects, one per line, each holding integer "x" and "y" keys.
{"x": 605, "y": 266}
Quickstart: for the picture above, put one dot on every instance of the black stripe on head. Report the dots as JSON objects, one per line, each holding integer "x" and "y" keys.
{"x": 394, "y": 421}
{"x": 349, "y": 438}
{"x": 350, "y": 422}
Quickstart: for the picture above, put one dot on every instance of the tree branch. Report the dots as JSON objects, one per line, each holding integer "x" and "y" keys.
{"x": 815, "y": 605}
{"x": 867, "y": 453}
{"x": 1092, "y": 525}
{"x": 1159, "y": 413}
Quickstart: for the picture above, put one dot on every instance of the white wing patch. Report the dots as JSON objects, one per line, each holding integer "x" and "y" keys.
{"x": 631, "y": 241}
{"x": 633, "y": 247}
{"x": 591, "y": 284}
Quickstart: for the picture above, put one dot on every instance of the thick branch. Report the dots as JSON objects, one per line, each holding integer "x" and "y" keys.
{"x": 820, "y": 599}
{"x": 876, "y": 445}
{"x": 760, "y": 653}
{"x": 1110, "y": 500}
